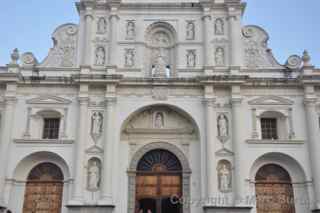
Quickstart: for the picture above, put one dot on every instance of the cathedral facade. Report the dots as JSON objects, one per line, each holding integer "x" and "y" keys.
{"x": 149, "y": 106}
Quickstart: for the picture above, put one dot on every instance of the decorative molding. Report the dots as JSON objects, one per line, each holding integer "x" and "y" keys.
{"x": 48, "y": 99}
{"x": 293, "y": 142}
{"x": 224, "y": 152}
{"x": 94, "y": 150}
{"x": 271, "y": 100}
{"x": 43, "y": 141}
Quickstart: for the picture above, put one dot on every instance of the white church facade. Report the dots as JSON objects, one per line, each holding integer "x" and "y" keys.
{"x": 149, "y": 106}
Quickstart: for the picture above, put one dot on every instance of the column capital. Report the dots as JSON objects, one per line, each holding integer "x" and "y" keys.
{"x": 209, "y": 102}
{"x": 110, "y": 101}
{"x": 83, "y": 100}
{"x": 310, "y": 102}
{"x": 114, "y": 16}
{"x": 236, "y": 101}
{"x": 206, "y": 17}
{"x": 10, "y": 100}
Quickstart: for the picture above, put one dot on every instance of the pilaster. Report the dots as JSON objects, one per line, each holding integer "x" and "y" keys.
{"x": 77, "y": 190}
{"x": 210, "y": 146}
{"x": 235, "y": 37}
{"x": 114, "y": 18}
{"x": 313, "y": 142}
{"x": 110, "y": 147}
{"x": 236, "y": 101}
{"x": 6, "y": 137}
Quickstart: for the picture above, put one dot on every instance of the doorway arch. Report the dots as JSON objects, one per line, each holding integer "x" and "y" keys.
{"x": 44, "y": 189}
{"x": 274, "y": 191}
{"x": 165, "y": 170}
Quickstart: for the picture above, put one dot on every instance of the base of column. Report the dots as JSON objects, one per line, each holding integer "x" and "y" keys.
{"x": 75, "y": 203}
{"x": 227, "y": 209}
{"x": 106, "y": 201}
{"x": 90, "y": 209}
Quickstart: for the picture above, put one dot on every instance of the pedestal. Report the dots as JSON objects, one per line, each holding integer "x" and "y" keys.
{"x": 90, "y": 209}
{"x": 227, "y": 209}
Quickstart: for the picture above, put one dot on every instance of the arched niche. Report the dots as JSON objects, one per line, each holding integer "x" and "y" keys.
{"x": 160, "y": 52}
{"x": 160, "y": 121}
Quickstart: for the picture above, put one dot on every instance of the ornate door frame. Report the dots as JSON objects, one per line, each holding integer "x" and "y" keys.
{"x": 132, "y": 172}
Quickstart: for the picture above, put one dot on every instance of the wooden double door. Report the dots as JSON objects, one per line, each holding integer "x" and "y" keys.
{"x": 159, "y": 184}
{"x": 274, "y": 190}
{"x": 44, "y": 190}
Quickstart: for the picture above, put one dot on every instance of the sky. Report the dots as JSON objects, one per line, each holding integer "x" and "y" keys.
{"x": 293, "y": 25}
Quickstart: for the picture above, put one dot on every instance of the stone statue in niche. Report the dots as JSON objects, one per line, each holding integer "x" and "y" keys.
{"x": 190, "y": 30}
{"x": 224, "y": 176}
{"x": 160, "y": 65}
{"x": 160, "y": 68}
{"x": 129, "y": 58}
{"x": 96, "y": 125}
{"x": 94, "y": 174}
{"x": 159, "y": 120}
{"x": 191, "y": 58}
{"x": 219, "y": 27}
{"x": 100, "y": 56}
{"x": 220, "y": 56}
{"x": 223, "y": 126}
{"x": 102, "y": 26}
{"x": 131, "y": 30}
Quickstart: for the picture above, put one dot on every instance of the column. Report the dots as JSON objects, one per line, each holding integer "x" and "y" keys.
{"x": 235, "y": 34}
{"x": 113, "y": 38}
{"x": 237, "y": 120}
{"x": 255, "y": 134}
{"x": 77, "y": 192}
{"x": 27, "y": 132}
{"x": 7, "y": 126}
{"x": 313, "y": 142}
{"x": 211, "y": 166}
{"x": 107, "y": 168}
{"x": 87, "y": 52}
{"x": 206, "y": 39}
{"x": 64, "y": 123}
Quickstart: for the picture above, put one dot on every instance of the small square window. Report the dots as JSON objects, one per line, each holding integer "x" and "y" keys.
{"x": 269, "y": 128}
{"x": 51, "y": 128}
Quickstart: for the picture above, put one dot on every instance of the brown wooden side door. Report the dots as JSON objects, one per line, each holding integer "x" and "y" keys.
{"x": 43, "y": 197}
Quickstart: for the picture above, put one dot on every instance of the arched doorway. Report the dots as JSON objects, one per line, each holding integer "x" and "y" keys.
{"x": 274, "y": 190}
{"x": 44, "y": 189}
{"x": 159, "y": 178}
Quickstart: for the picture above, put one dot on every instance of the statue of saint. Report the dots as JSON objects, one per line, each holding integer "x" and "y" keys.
{"x": 219, "y": 57}
{"x": 94, "y": 176}
{"x": 222, "y": 126}
{"x": 129, "y": 58}
{"x": 131, "y": 30}
{"x": 225, "y": 178}
{"x": 219, "y": 27}
{"x": 97, "y": 120}
{"x": 100, "y": 56}
{"x": 190, "y": 31}
{"x": 191, "y": 59}
{"x": 102, "y": 26}
{"x": 160, "y": 68}
{"x": 159, "y": 121}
